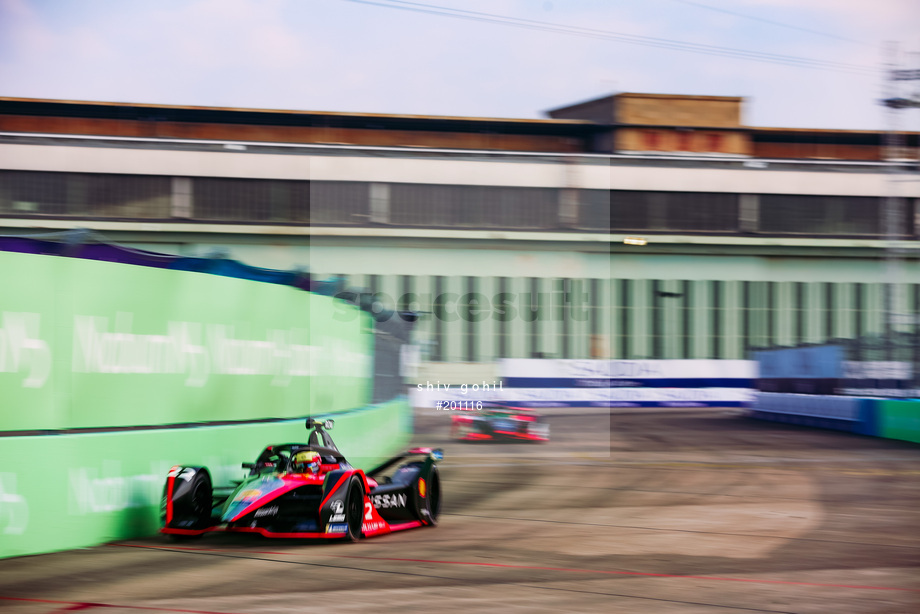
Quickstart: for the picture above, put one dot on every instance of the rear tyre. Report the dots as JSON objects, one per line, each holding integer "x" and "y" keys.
{"x": 354, "y": 510}
{"x": 427, "y": 497}
{"x": 430, "y": 504}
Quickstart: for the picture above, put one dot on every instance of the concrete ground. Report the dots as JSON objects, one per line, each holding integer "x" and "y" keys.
{"x": 664, "y": 511}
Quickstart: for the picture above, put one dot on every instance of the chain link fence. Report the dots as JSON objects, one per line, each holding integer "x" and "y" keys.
{"x": 880, "y": 365}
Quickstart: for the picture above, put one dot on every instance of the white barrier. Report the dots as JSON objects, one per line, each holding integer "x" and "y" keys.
{"x": 811, "y": 405}
{"x": 603, "y": 383}
{"x": 627, "y": 369}
{"x": 591, "y": 397}
{"x": 535, "y": 373}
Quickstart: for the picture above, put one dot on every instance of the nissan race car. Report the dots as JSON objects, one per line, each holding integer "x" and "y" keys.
{"x": 499, "y": 422}
{"x": 307, "y": 490}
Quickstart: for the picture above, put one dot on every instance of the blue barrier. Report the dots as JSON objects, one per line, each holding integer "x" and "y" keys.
{"x": 840, "y": 413}
{"x": 868, "y": 418}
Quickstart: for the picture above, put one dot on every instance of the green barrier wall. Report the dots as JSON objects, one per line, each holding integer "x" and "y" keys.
{"x": 98, "y": 344}
{"x": 71, "y": 491}
{"x": 94, "y": 345}
{"x": 899, "y": 420}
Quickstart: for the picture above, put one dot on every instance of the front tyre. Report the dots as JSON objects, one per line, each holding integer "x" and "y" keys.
{"x": 193, "y": 507}
{"x": 199, "y": 501}
{"x": 354, "y": 510}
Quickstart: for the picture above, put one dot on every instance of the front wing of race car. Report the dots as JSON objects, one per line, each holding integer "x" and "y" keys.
{"x": 342, "y": 504}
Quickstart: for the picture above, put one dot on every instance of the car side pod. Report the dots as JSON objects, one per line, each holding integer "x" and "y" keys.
{"x": 186, "y": 507}
{"x": 435, "y": 454}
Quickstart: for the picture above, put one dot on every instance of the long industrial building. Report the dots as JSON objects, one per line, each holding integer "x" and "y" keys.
{"x": 633, "y": 226}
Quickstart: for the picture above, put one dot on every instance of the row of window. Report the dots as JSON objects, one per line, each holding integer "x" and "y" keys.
{"x": 475, "y": 319}
{"x": 339, "y": 203}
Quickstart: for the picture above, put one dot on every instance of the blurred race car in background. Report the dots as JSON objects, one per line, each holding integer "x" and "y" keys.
{"x": 306, "y": 490}
{"x": 499, "y": 422}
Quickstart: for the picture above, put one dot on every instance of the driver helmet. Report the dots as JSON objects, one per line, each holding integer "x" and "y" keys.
{"x": 307, "y": 462}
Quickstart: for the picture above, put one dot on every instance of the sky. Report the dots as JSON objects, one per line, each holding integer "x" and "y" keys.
{"x": 797, "y": 63}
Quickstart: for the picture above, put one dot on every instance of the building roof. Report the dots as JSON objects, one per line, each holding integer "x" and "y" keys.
{"x": 146, "y": 111}
{"x": 584, "y": 127}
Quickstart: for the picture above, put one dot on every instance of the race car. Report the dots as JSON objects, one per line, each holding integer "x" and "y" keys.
{"x": 307, "y": 490}
{"x": 496, "y": 422}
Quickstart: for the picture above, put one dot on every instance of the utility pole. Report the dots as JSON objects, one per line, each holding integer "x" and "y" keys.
{"x": 893, "y": 211}
{"x": 896, "y": 154}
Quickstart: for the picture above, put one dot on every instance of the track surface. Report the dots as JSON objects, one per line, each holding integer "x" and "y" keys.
{"x": 636, "y": 511}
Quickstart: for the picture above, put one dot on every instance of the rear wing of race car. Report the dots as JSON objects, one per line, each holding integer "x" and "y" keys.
{"x": 433, "y": 454}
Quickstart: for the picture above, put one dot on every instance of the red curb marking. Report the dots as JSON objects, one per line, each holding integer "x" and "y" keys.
{"x": 575, "y": 570}
{"x": 82, "y": 605}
